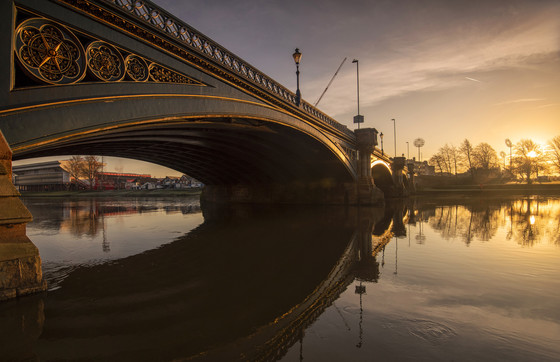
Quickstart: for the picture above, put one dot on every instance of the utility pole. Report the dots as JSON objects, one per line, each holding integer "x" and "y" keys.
{"x": 395, "y": 134}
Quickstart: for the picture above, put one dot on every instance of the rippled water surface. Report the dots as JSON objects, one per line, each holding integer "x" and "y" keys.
{"x": 422, "y": 279}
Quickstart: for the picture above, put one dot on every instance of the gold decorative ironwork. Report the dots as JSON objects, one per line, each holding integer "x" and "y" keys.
{"x": 105, "y": 61}
{"x": 165, "y": 75}
{"x": 49, "y": 52}
{"x": 136, "y": 68}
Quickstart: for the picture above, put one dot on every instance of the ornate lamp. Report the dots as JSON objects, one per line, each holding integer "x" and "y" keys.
{"x": 297, "y": 58}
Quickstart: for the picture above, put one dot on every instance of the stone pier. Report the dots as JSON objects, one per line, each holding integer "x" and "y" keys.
{"x": 20, "y": 264}
{"x": 368, "y": 193}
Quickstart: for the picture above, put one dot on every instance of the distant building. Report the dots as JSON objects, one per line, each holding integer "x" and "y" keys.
{"x": 148, "y": 186}
{"x": 422, "y": 168}
{"x": 120, "y": 181}
{"x": 43, "y": 176}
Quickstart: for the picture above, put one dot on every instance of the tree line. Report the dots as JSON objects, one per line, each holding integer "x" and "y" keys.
{"x": 526, "y": 159}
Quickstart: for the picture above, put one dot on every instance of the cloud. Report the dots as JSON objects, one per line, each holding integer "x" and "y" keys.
{"x": 523, "y": 100}
{"x": 439, "y": 59}
{"x": 474, "y": 80}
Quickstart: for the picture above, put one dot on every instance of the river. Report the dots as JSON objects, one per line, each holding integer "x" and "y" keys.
{"x": 162, "y": 279}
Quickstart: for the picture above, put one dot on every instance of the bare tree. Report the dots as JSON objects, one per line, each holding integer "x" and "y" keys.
{"x": 466, "y": 154}
{"x": 484, "y": 156}
{"x": 437, "y": 160}
{"x": 555, "y": 152}
{"x": 445, "y": 152}
{"x": 74, "y": 167}
{"x": 91, "y": 169}
{"x": 454, "y": 152}
{"x": 528, "y": 155}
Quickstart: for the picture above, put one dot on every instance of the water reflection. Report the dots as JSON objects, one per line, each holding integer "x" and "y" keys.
{"x": 528, "y": 221}
{"x": 85, "y": 217}
{"x": 154, "y": 280}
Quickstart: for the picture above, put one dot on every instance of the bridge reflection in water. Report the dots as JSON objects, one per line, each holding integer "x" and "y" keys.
{"x": 246, "y": 283}
{"x": 250, "y": 283}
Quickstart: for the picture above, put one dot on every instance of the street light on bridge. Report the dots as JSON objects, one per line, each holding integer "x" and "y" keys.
{"x": 359, "y": 118}
{"x": 297, "y": 57}
{"x": 381, "y": 137}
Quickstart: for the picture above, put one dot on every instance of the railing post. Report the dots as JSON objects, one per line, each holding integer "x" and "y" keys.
{"x": 20, "y": 264}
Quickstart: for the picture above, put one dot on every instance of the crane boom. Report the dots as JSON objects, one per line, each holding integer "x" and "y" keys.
{"x": 335, "y": 73}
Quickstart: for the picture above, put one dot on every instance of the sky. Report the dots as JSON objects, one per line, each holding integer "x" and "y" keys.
{"x": 485, "y": 70}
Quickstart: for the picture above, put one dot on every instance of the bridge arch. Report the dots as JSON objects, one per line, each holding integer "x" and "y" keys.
{"x": 382, "y": 175}
{"x": 257, "y": 145}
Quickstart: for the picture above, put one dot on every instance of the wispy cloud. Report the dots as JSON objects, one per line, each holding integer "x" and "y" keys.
{"x": 474, "y": 80}
{"x": 547, "y": 105}
{"x": 522, "y": 100}
{"x": 437, "y": 60}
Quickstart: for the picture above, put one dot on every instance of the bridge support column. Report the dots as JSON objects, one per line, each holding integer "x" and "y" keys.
{"x": 397, "y": 168}
{"x": 367, "y": 192}
{"x": 411, "y": 182}
{"x": 20, "y": 264}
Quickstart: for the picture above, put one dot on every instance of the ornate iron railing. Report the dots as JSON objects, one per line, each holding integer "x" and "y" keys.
{"x": 164, "y": 22}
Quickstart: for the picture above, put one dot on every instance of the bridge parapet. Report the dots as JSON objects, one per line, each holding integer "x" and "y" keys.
{"x": 165, "y": 23}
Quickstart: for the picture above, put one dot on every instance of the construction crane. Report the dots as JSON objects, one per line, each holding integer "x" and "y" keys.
{"x": 322, "y": 94}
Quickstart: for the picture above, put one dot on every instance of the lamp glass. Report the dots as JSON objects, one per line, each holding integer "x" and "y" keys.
{"x": 297, "y": 56}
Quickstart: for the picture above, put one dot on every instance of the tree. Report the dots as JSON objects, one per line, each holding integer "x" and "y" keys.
{"x": 83, "y": 167}
{"x": 91, "y": 168}
{"x": 454, "y": 153}
{"x": 466, "y": 154}
{"x": 555, "y": 152}
{"x": 438, "y": 161}
{"x": 74, "y": 167}
{"x": 528, "y": 157}
{"x": 484, "y": 156}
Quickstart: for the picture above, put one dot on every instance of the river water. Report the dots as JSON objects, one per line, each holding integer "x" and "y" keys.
{"x": 421, "y": 279}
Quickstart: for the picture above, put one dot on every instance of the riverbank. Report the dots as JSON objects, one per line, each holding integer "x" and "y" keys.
{"x": 484, "y": 189}
{"x": 115, "y": 193}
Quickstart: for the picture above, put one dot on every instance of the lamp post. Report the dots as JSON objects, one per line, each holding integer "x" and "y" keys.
{"x": 381, "y": 137}
{"x": 407, "y": 151}
{"x": 359, "y": 118}
{"x": 297, "y": 58}
{"x": 395, "y": 134}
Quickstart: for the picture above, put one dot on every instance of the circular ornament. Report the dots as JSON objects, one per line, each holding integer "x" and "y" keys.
{"x": 105, "y": 61}
{"x": 136, "y": 68}
{"x": 49, "y": 52}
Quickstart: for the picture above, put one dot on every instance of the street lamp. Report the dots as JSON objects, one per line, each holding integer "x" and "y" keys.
{"x": 395, "y": 134}
{"x": 381, "y": 136}
{"x": 407, "y": 151}
{"x": 359, "y": 118}
{"x": 297, "y": 57}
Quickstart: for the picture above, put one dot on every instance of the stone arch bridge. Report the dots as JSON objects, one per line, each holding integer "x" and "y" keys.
{"x": 125, "y": 78}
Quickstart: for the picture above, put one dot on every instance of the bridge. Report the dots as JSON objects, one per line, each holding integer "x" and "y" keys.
{"x": 125, "y": 78}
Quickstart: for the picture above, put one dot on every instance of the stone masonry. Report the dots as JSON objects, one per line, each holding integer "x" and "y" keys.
{"x": 20, "y": 263}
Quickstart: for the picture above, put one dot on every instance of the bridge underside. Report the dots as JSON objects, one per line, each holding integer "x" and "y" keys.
{"x": 216, "y": 151}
